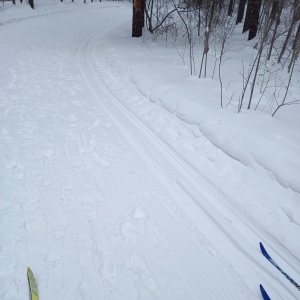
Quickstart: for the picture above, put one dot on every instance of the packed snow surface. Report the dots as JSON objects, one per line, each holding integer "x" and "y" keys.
{"x": 122, "y": 178}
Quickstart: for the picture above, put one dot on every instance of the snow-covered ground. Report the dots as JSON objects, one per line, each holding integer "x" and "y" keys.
{"x": 122, "y": 178}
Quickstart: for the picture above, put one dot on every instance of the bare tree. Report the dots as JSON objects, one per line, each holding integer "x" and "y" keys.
{"x": 284, "y": 103}
{"x": 225, "y": 31}
{"x": 295, "y": 12}
{"x": 160, "y": 16}
{"x": 275, "y": 17}
{"x": 209, "y": 17}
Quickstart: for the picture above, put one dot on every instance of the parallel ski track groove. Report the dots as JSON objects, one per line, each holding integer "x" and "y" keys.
{"x": 173, "y": 240}
{"x": 241, "y": 215}
{"x": 115, "y": 108}
{"x": 179, "y": 242}
{"x": 176, "y": 162}
{"x": 237, "y": 211}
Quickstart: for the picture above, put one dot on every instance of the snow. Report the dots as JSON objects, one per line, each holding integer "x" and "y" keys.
{"x": 121, "y": 177}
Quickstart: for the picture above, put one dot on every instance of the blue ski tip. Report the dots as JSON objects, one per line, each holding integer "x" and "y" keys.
{"x": 264, "y": 293}
{"x": 268, "y": 257}
{"x": 264, "y": 251}
{"x": 262, "y": 248}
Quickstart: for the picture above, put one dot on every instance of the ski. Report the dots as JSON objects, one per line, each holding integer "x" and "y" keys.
{"x": 33, "y": 289}
{"x": 264, "y": 293}
{"x": 268, "y": 257}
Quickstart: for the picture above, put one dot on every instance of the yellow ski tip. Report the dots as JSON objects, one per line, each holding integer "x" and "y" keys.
{"x": 32, "y": 285}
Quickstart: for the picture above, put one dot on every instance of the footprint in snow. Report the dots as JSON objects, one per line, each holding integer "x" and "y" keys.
{"x": 48, "y": 152}
{"x": 107, "y": 124}
{"x": 29, "y": 207}
{"x": 135, "y": 226}
{"x": 32, "y": 194}
{"x": 102, "y": 162}
{"x": 57, "y": 224}
{"x": 10, "y": 163}
{"x": 7, "y": 258}
{"x": 17, "y": 174}
{"x": 54, "y": 264}
{"x": 72, "y": 118}
{"x": 139, "y": 267}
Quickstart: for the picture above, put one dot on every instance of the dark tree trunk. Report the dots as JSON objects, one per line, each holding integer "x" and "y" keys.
{"x": 248, "y": 16}
{"x": 252, "y": 18}
{"x": 230, "y": 8}
{"x": 277, "y": 22}
{"x": 296, "y": 17}
{"x": 275, "y": 8}
{"x": 297, "y": 39}
{"x": 143, "y": 12}
{"x": 241, "y": 10}
{"x": 221, "y": 4}
{"x": 137, "y": 26}
{"x": 255, "y": 19}
{"x": 31, "y": 3}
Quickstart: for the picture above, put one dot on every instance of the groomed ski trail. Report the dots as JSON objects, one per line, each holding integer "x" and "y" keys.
{"x": 197, "y": 256}
{"x": 164, "y": 162}
{"x": 102, "y": 209}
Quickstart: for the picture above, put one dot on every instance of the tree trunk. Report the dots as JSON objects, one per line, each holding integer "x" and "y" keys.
{"x": 221, "y": 4}
{"x": 230, "y": 8}
{"x": 241, "y": 10}
{"x": 286, "y": 41}
{"x": 296, "y": 49}
{"x": 295, "y": 19}
{"x": 252, "y": 18}
{"x": 137, "y": 26}
{"x": 276, "y": 13}
{"x": 247, "y": 21}
{"x": 275, "y": 9}
{"x": 31, "y": 3}
{"x": 297, "y": 38}
{"x": 255, "y": 21}
{"x": 143, "y": 12}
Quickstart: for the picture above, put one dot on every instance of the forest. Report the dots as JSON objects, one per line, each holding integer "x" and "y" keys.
{"x": 204, "y": 25}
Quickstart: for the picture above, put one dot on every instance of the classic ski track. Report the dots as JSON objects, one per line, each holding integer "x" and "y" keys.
{"x": 198, "y": 262}
{"x": 147, "y": 153}
{"x": 124, "y": 120}
{"x": 260, "y": 233}
{"x": 254, "y": 228}
{"x": 175, "y": 162}
{"x": 242, "y": 217}
{"x": 179, "y": 242}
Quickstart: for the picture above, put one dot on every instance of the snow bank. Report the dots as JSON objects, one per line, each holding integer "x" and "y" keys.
{"x": 253, "y": 138}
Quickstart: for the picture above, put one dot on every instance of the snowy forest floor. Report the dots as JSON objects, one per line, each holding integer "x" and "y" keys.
{"x": 122, "y": 178}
